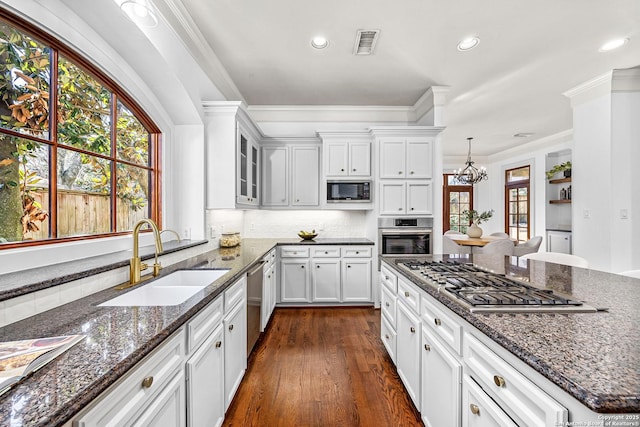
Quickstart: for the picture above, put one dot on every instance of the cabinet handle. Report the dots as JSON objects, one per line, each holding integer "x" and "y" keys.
{"x": 297, "y": 200}
{"x": 218, "y": 344}
{"x": 413, "y": 330}
{"x": 354, "y": 169}
{"x": 437, "y": 321}
{"x": 302, "y": 266}
{"x": 386, "y": 336}
{"x": 406, "y": 294}
{"x": 427, "y": 347}
{"x": 317, "y": 266}
{"x": 342, "y": 170}
{"x": 387, "y": 304}
{"x": 357, "y": 252}
{"x": 399, "y": 209}
{"x": 231, "y": 327}
{"x": 475, "y": 409}
{"x": 399, "y": 172}
{"x": 499, "y": 381}
{"x": 411, "y": 209}
{"x": 326, "y": 252}
{"x": 146, "y": 383}
{"x": 348, "y": 266}
{"x": 386, "y": 277}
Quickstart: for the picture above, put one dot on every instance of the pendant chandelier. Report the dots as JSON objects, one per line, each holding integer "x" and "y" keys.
{"x": 471, "y": 174}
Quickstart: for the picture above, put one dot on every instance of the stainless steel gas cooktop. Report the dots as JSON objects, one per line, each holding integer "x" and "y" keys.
{"x": 482, "y": 291}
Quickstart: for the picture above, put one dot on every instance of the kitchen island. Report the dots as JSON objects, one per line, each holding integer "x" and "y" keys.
{"x": 116, "y": 338}
{"x": 588, "y": 363}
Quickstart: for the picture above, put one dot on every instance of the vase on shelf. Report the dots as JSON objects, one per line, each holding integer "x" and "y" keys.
{"x": 473, "y": 230}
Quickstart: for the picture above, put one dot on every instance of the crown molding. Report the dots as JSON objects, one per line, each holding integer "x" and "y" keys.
{"x": 330, "y": 113}
{"x": 591, "y": 89}
{"x": 627, "y": 80}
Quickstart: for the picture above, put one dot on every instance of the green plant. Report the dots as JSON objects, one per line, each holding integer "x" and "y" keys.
{"x": 558, "y": 168}
{"x": 473, "y": 216}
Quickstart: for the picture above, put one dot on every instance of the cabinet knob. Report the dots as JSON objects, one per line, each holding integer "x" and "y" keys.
{"x": 413, "y": 330}
{"x": 317, "y": 266}
{"x": 411, "y": 172}
{"x": 348, "y": 266}
{"x": 475, "y": 409}
{"x": 427, "y": 347}
{"x": 386, "y": 277}
{"x": 386, "y": 336}
{"x": 357, "y": 252}
{"x": 218, "y": 344}
{"x": 326, "y": 252}
{"x": 411, "y": 208}
{"x": 437, "y": 321}
{"x": 499, "y": 381}
{"x": 399, "y": 209}
{"x": 302, "y": 266}
{"x": 387, "y": 304}
{"x": 297, "y": 200}
{"x": 342, "y": 170}
{"x": 147, "y": 382}
{"x": 231, "y": 327}
{"x": 354, "y": 169}
{"x": 399, "y": 172}
{"x": 406, "y": 294}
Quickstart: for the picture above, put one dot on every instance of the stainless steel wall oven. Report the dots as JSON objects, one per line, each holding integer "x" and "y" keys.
{"x": 405, "y": 237}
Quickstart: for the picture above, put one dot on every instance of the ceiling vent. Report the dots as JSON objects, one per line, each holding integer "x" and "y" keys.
{"x": 365, "y": 42}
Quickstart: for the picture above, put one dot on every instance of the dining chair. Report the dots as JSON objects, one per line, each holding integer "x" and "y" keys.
{"x": 499, "y": 247}
{"x": 454, "y": 233}
{"x": 451, "y": 247}
{"x": 500, "y": 234}
{"x": 530, "y": 246}
{"x": 631, "y": 273}
{"x": 558, "y": 258}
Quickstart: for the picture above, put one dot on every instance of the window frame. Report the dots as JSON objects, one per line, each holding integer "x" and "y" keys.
{"x": 154, "y": 165}
{"x": 446, "y": 207}
{"x": 525, "y": 183}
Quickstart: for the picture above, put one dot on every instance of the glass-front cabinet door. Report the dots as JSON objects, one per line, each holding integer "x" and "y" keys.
{"x": 248, "y": 170}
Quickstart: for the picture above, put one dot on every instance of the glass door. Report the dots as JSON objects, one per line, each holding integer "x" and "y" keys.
{"x": 458, "y": 197}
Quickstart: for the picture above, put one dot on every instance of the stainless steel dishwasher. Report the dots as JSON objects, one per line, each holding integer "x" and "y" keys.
{"x": 254, "y": 306}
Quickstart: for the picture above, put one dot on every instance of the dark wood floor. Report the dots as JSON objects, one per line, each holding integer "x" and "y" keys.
{"x": 322, "y": 367}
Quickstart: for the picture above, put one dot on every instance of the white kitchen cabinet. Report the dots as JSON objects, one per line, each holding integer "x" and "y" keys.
{"x": 268, "y": 289}
{"x": 248, "y": 172}
{"x": 305, "y": 176}
{"x": 478, "y": 410}
{"x": 275, "y": 176}
{"x": 235, "y": 338}
{"x": 441, "y": 384}
{"x": 294, "y": 280}
{"x": 388, "y": 336}
{"x": 291, "y": 176}
{"x": 406, "y": 197}
{"x": 406, "y": 158}
{"x": 521, "y": 399}
{"x": 356, "y": 280}
{"x": 347, "y": 159}
{"x": 205, "y": 382}
{"x": 232, "y": 156}
{"x": 154, "y": 387}
{"x": 408, "y": 350}
{"x": 325, "y": 280}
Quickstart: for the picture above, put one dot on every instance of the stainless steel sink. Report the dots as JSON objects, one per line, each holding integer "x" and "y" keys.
{"x": 172, "y": 289}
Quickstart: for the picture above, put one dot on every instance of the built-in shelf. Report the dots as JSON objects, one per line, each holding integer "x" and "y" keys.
{"x": 559, "y": 180}
{"x": 560, "y": 201}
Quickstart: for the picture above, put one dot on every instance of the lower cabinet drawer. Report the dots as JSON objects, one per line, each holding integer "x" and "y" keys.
{"x": 442, "y": 324}
{"x": 388, "y": 306}
{"x": 128, "y": 399}
{"x": 478, "y": 410}
{"x": 388, "y": 336}
{"x": 521, "y": 399}
{"x": 202, "y": 325}
{"x": 409, "y": 294}
{"x": 236, "y": 293}
{"x": 388, "y": 279}
{"x": 325, "y": 252}
{"x": 356, "y": 252}
{"x": 294, "y": 252}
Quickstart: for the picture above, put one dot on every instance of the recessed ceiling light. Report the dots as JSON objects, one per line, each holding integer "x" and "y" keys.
{"x": 523, "y": 134}
{"x": 613, "y": 44}
{"x": 468, "y": 43}
{"x": 319, "y": 42}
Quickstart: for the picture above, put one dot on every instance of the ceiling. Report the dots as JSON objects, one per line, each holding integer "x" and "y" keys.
{"x": 259, "y": 51}
{"x": 530, "y": 53}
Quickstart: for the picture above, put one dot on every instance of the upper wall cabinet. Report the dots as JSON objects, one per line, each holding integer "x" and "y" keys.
{"x": 406, "y": 158}
{"x": 346, "y": 155}
{"x": 232, "y": 152}
{"x": 291, "y": 175}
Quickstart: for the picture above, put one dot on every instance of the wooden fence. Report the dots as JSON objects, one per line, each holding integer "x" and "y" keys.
{"x": 84, "y": 213}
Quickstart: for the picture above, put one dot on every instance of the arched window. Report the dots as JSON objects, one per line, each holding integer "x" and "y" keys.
{"x": 78, "y": 157}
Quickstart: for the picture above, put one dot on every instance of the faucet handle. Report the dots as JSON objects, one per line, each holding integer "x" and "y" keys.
{"x": 143, "y": 266}
{"x": 156, "y": 269}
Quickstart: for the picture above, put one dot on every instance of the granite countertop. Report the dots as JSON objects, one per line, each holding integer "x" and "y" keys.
{"x": 595, "y": 357}
{"x": 116, "y": 338}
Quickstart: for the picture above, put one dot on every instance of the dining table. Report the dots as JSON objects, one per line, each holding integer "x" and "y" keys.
{"x": 476, "y": 241}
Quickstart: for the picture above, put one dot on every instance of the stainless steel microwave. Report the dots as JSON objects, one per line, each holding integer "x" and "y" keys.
{"x": 348, "y": 191}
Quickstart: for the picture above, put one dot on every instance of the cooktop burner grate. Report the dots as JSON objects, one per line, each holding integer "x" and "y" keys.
{"x": 480, "y": 290}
